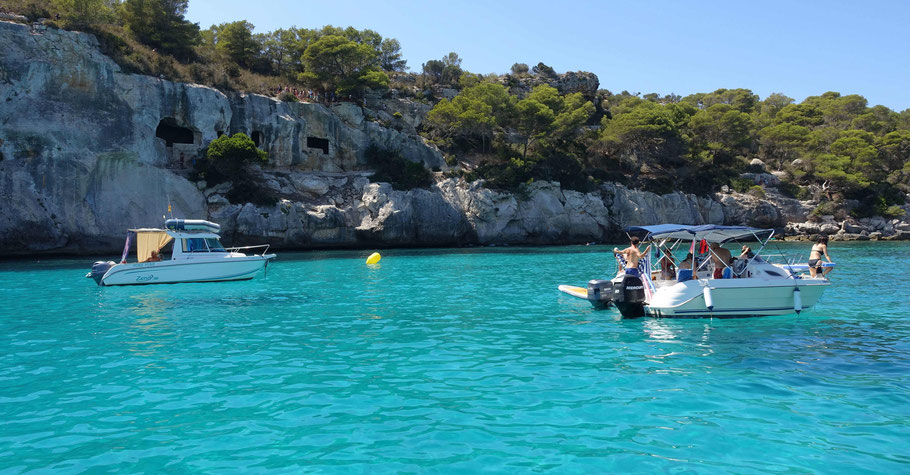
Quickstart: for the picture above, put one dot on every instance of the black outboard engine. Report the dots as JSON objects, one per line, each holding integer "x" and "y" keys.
{"x": 100, "y": 268}
{"x": 600, "y": 293}
{"x": 629, "y": 297}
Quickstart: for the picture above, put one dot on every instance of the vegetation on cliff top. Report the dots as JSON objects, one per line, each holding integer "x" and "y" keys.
{"x": 230, "y": 159}
{"x": 831, "y": 147}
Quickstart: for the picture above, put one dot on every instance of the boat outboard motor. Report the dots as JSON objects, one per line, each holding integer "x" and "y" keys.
{"x": 600, "y": 293}
{"x": 100, "y": 268}
{"x": 629, "y": 296}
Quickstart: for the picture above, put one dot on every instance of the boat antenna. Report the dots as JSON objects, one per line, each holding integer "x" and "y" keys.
{"x": 169, "y": 207}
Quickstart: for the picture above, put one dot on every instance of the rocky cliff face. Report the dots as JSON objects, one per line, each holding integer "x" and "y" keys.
{"x": 566, "y": 83}
{"x": 87, "y": 151}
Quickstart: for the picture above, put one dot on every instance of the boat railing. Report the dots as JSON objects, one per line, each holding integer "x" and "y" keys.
{"x": 264, "y": 247}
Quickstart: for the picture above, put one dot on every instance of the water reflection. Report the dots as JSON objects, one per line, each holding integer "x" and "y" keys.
{"x": 153, "y": 328}
{"x": 659, "y": 330}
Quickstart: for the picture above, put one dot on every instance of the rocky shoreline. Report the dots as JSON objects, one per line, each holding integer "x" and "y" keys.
{"x": 865, "y": 229}
{"x": 87, "y": 151}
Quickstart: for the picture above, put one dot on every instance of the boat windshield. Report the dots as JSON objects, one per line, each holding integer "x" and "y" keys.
{"x": 214, "y": 245}
{"x": 196, "y": 245}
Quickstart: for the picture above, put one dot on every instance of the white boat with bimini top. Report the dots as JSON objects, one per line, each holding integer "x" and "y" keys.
{"x": 708, "y": 281}
{"x": 196, "y": 256}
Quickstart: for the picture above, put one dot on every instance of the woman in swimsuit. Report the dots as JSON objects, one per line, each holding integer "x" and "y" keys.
{"x": 819, "y": 249}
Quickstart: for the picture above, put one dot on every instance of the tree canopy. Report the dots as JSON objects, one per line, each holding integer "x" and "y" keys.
{"x": 161, "y": 24}
{"x": 335, "y": 63}
{"x": 518, "y": 127}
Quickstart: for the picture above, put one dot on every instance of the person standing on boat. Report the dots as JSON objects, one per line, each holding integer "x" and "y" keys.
{"x": 819, "y": 249}
{"x": 632, "y": 256}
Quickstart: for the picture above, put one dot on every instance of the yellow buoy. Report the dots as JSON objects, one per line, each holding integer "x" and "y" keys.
{"x": 374, "y": 258}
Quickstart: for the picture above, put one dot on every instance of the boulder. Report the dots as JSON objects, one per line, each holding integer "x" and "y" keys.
{"x": 763, "y": 179}
{"x": 851, "y": 227}
{"x": 312, "y": 184}
{"x": 829, "y": 228}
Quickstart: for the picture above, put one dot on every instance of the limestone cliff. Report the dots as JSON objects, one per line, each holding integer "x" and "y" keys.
{"x": 87, "y": 151}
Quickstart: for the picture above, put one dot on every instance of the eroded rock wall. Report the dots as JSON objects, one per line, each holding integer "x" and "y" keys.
{"x": 87, "y": 151}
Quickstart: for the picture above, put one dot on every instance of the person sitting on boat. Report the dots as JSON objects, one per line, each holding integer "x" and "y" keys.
{"x": 819, "y": 249}
{"x": 632, "y": 255}
{"x": 154, "y": 257}
{"x": 686, "y": 263}
{"x": 667, "y": 266}
{"x": 747, "y": 253}
{"x": 685, "y": 269}
{"x": 721, "y": 258}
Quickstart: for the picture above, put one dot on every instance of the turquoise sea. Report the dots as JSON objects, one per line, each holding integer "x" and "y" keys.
{"x": 446, "y": 361}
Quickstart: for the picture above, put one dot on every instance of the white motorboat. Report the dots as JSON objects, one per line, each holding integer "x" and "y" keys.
{"x": 748, "y": 285}
{"x": 196, "y": 256}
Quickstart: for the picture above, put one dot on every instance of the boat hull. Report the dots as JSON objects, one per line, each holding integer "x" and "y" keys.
{"x": 735, "y": 298}
{"x": 190, "y": 270}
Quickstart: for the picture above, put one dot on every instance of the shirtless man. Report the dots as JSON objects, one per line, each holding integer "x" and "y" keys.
{"x": 721, "y": 258}
{"x": 632, "y": 255}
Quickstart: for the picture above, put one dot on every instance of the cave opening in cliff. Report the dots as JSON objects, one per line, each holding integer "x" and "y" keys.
{"x": 171, "y": 133}
{"x": 257, "y": 138}
{"x": 316, "y": 142}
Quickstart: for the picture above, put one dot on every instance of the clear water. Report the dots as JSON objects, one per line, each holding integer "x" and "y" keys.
{"x": 445, "y": 361}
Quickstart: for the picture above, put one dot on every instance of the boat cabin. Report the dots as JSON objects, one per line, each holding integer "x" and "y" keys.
{"x": 187, "y": 241}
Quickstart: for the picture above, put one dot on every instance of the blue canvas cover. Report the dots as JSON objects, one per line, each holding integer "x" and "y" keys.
{"x": 708, "y": 232}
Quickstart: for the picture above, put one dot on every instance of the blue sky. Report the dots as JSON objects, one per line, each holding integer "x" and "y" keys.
{"x": 799, "y": 48}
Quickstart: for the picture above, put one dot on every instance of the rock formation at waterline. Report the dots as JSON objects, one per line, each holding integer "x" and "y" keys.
{"x": 87, "y": 151}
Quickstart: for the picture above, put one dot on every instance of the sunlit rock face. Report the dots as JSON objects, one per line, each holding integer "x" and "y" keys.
{"x": 87, "y": 151}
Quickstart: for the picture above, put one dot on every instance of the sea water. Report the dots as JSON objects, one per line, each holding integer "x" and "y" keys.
{"x": 443, "y": 360}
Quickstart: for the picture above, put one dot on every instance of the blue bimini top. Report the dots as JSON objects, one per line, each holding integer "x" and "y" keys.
{"x": 708, "y": 232}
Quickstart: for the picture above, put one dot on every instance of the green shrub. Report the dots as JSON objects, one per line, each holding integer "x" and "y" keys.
{"x": 397, "y": 115}
{"x": 509, "y": 176}
{"x": 756, "y": 191}
{"x": 792, "y": 190}
{"x": 393, "y": 168}
{"x": 893, "y": 212}
{"x": 33, "y": 9}
{"x": 287, "y": 97}
{"x": 227, "y": 158}
{"x": 232, "y": 70}
{"x": 741, "y": 185}
{"x": 451, "y": 160}
{"x": 824, "y": 208}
